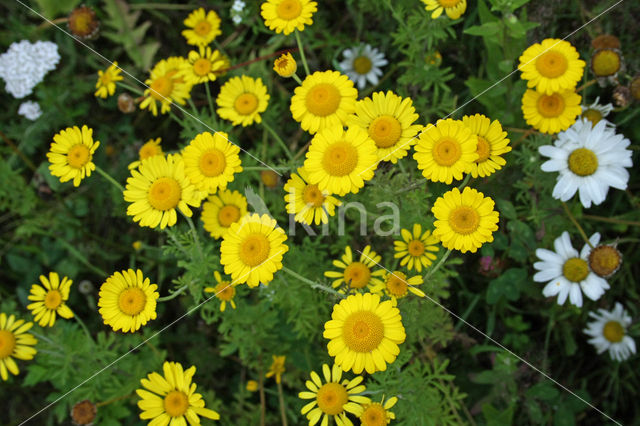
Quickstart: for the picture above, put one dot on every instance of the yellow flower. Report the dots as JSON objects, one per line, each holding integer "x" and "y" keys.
{"x": 71, "y": 154}
{"x": 251, "y": 251}
{"x": 377, "y": 413}
{"x": 396, "y": 285}
{"x": 277, "y": 367}
{"x": 222, "y": 210}
{"x": 127, "y": 300}
{"x": 492, "y": 143}
{"x": 285, "y": 16}
{"x": 242, "y": 99}
{"x": 137, "y": 245}
{"x": 285, "y": 65}
{"x": 210, "y": 161}
{"x": 252, "y": 385}
{"x": 606, "y": 62}
{"x": 15, "y": 342}
{"x": 415, "y": 249}
{"x": 551, "y": 113}
{"x": 445, "y": 151}
{"x": 172, "y": 398}
{"x": 464, "y": 221}
{"x": 269, "y": 178}
{"x": 364, "y": 333}
{"x": 165, "y": 85}
{"x": 225, "y": 291}
{"x": 357, "y": 274}
{"x": 203, "y": 27}
{"x": 453, "y": 8}
{"x": 203, "y": 66}
{"x": 306, "y": 201}
{"x": 551, "y": 66}
{"x": 333, "y": 398}
{"x": 151, "y": 148}
{"x": 324, "y": 99}
{"x": 49, "y": 299}
{"x": 388, "y": 119}
{"x": 106, "y": 83}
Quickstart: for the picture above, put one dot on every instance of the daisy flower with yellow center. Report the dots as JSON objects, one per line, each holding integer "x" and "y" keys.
{"x": 416, "y": 248}
{"x": 492, "y": 143}
{"x": 15, "y": 342}
{"x": 464, "y": 221}
{"x": 252, "y": 249}
{"x": 597, "y": 112}
{"x": 285, "y": 16}
{"x": 172, "y": 398}
{"x": 224, "y": 291}
{"x": 551, "y": 66}
{"x": 608, "y": 332}
{"x": 306, "y": 201}
{"x": 324, "y": 99}
{"x": 453, "y": 8}
{"x": 445, "y": 151}
{"x": 363, "y": 63}
{"x": 106, "y": 83}
{"x": 71, "y": 154}
{"x": 333, "y": 398}
{"x": 203, "y": 65}
{"x": 396, "y": 285}
{"x": 277, "y": 367}
{"x": 604, "y": 260}
{"x": 357, "y": 274}
{"x": 203, "y": 27}
{"x": 222, "y": 210}
{"x": 49, "y": 299}
{"x": 364, "y": 333}
{"x": 127, "y": 300}
{"x": 551, "y": 113}
{"x": 211, "y": 161}
{"x": 285, "y": 65}
{"x": 157, "y": 188}
{"x": 242, "y": 99}
{"x": 166, "y": 86}
{"x": 151, "y": 148}
{"x": 377, "y": 413}
{"x": 389, "y": 120}
{"x": 340, "y": 161}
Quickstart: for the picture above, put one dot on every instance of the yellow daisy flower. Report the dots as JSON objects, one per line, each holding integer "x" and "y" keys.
{"x": 172, "y": 398}
{"x": 492, "y": 143}
{"x": 396, "y": 285}
{"x": 377, "y": 413}
{"x": 445, "y": 151}
{"x": 15, "y": 342}
{"x": 49, "y": 299}
{"x": 242, "y": 99}
{"x": 285, "y": 65}
{"x": 157, "y": 188}
{"x": 333, "y": 398}
{"x": 285, "y": 16}
{"x": 71, "y": 154}
{"x": 453, "y": 8}
{"x": 416, "y": 248}
{"x": 551, "y": 66}
{"x": 166, "y": 85}
{"x": 269, "y": 178}
{"x": 464, "y": 221}
{"x": 224, "y": 291}
{"x": 106, "y": 83}
{"x": 551, "y": 113}
{"x": 222, "y": 210}
{"x": 127, "y": 300}
{"x": 357, "y": 274}
{"x": 151, "y": 148}
{"x": 203, "y": 66}
{"x": 364, "y": 333}
{"x": 210, "y": 161}
{"x": 277, "y": 368}
{"x": 340, "y": 161}
{"x": 251, "y": 251}
{"x": 203, "y": 26}
{"x": 388, "y": 119}
{"x": 325, "y": 98}
{"x": 306, "y": 201}
{"x": 252, "y": 386}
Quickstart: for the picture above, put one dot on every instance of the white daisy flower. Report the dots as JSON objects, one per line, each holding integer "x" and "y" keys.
{"x": 608, "y": 331}
{"x": 25, "y": 64}
{"x": 568, "y": 273}
{"x": 30, "y": 110}
{"x": 363, "y": 63}
{"x": 596, "y": 112}
{"x": 589, "y": 159}
{"x": 237, "y": 11}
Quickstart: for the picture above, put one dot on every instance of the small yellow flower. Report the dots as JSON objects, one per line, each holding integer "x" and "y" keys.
{"x": 15, "y": 342}
{"x": 137, "y": 245}
{"x": 277, "y": 367}
{"x": 203, "y": 26}
{"x": 416, "y": 247}
{"x": 453, "y": 8}
{"x": 377, "y": 413}
{"x": 224, "y": 291}
{"x": 71, "y": 154}
{"x": 397, "y": 285}
{"x": 357, "y": 274}
{"x": 242, "y": 99}
{"x": 285, "y": 65}
{"x": 151, "y": 148}
{"x": 203, "y": 65}
{"x": 106, "y": 83}
{"x": 285, "y": 16}
{"x": 49, "y": 299}
{"x": 252, "y": 386}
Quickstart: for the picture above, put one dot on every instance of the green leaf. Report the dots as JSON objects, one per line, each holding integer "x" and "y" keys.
{"x": 52, "y": 8}
{"x": 543, "y": 391}
{"x": 494, "y": 417}
{"x": 507, "y": 285}
{"x": 564, "y": 416}
{"x": 485, "y": 30}
{"x": 506, "y": 209}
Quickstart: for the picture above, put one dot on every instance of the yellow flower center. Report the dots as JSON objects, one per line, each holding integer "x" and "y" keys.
{"x": 323, "y": 99}
{"x": 357, "y": 275}
{"x": 340, "y": 159}
{"x": 165, "y": 194}
{"x": 385, "y": 131}
{"x": 202, "y": 28}
{"x": 593, "y": 115}
{"x": 575, "y": 269}
{"x": 149, "y": 149}
{"x": 202, "y": 67}
{"x": 583, "y": 162}
{"x": 613, "y": 331}
{"x": 254, "y": 249}
{"x": 78, "y": 156}
{"x": 225, "y": 291}
{"x": 269, "y": 178}
{"x": 312, "y": 196}
{"x": 331, "y": 398}
{"x": 374, "y": 415}
{"x": 105, "y": 78}
{"x": 362, "y": 65}
{"x": 415, "y": 248}
{"x": 161, "y": 87}
{"x": 397, "y": 285}
{"x": 363, "y": 331}
{"x": 176, "y": 403}
{"x": 464, "y": 220}
{"x": 449, "y": 3}
{"x": 228, "y": 214}
{"x": 484, "y": 150}
{"x": 552, "y": 64}
{"x": 446, "y": 151}
{"x": 246, "y": 103}
{"x": 7, "y": 343}
{"x": 605, "y": 63}
{"x": 550, "y": 105}
{"x": 53, "y": 299}
{"x": 212, "y": 163}
{"x": 289, "y": 9}
{"x": 604, "y": 260}
{"x": 132, "y": 301}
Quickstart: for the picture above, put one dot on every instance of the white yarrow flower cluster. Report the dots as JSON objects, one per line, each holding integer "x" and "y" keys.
{"x": 237, "y": 10}
{"x": 25, "y": 64}
{"x": 362, "y": 64}
{"x": 608, "y": 332}
{"x": 30, "y": 110}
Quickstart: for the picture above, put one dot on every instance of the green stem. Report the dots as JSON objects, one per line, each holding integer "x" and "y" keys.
{"x": 283, "y": 414}
{"x": 206, "y": 86}
{"x": 117, "y": 398}
{"x": 74, "y": 252}
{"x": 108, "y": 177}
{"x": 176, "y": 119}
{"x": 467, "y": 312}
{"x": 273, "y": 133}
{"x": 313, "y": 284}
{"x": 194, "y": 232}
{"x": 577, "y": 225}
{"x": 464, "y": 182}
{"x": 297, "y": 79}
{"x": 195, "y": 110}
{"x": 130, "y": 88}
{"x": 437, "y": 266}
{"x": 83, "y": 325}
{"x": 304, "y": 59}
{"x": 173, "y": 295}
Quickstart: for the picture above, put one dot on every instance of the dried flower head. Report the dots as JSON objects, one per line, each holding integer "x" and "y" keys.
{"x": 83, "y": 23}
{"x": 83, "y": 413}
